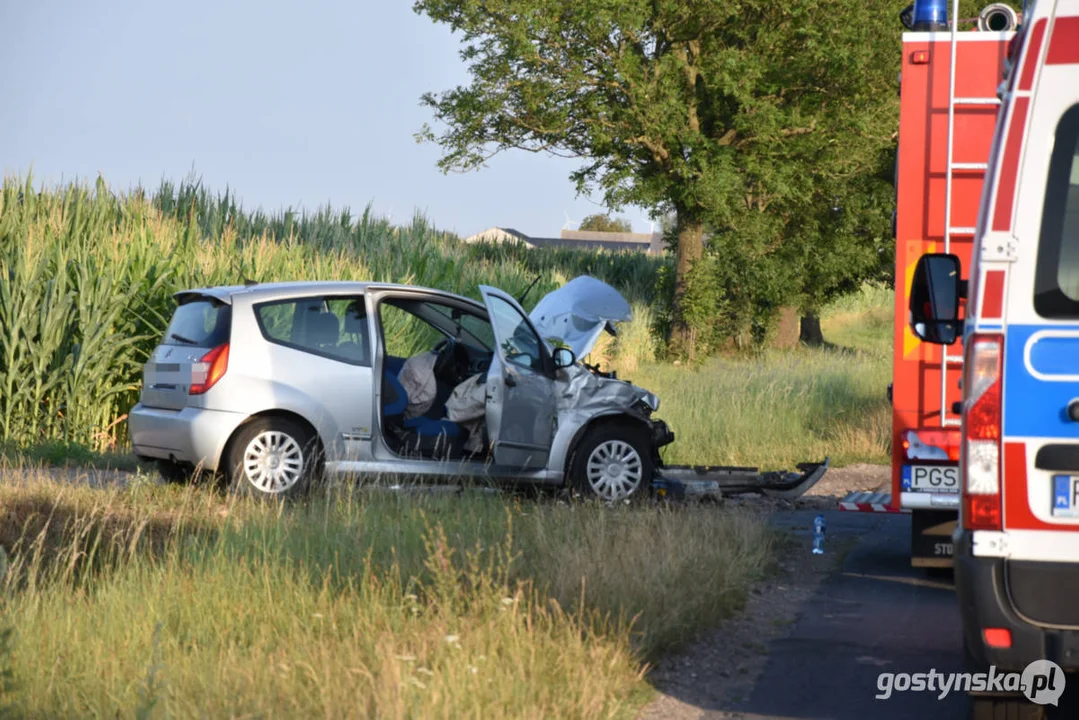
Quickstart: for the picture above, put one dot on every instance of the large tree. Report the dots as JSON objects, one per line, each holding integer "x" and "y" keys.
{"x": 605, "y": 223}
{"x": 738, "y": 116}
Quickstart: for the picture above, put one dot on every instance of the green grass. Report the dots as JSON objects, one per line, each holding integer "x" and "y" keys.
{"x": 157, "y": 601}
{"x": 57, "y": 453}
{"x": 862, "y": 321}
{"x": 779, "y": 408}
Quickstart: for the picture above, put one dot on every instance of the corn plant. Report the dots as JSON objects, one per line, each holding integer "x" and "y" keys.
{"x": 87, "y": 277}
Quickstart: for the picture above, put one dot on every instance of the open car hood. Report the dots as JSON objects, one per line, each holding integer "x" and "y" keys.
{"x": 578, "y": 312}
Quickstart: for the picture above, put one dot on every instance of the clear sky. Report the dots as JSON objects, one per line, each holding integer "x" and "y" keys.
{"x": 286, "y": 103}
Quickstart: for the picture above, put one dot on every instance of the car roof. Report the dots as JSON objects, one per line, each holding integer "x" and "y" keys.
{"x": 299, "y": 288}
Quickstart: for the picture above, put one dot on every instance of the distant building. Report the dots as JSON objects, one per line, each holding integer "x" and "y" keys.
{"x": 650, "y": 243}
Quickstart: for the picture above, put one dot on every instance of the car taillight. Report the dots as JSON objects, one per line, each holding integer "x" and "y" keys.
{"x": 209, "y": 369}
{"x": 981, "y": 434}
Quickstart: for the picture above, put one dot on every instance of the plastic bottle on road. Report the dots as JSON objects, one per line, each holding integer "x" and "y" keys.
{"x": 818, "y": 535}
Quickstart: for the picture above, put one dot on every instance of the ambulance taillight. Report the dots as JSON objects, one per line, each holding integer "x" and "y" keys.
{"x": 982, "y": 433}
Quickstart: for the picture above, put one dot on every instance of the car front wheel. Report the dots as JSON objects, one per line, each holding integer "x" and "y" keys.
{"x": 273, "y": 457}
{"x": 613, "y": 463}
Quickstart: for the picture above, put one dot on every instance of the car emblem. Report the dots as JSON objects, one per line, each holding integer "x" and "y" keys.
{"x": 168, "y": 353}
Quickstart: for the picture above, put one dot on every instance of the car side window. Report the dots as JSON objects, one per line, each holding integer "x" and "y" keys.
{"x": 331, "y": 327}
{"x": 403, "y": 333}
{"x": 518, "y": 344}
{"x": 1056, "y": 277}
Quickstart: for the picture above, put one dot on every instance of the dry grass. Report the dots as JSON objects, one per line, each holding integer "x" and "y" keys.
{"x": 352, "y": 603}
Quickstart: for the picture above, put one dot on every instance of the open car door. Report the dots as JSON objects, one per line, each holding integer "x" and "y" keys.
{"x": 521, "y": 411}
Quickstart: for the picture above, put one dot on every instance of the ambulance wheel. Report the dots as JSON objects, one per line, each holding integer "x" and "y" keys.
{"x": 613, "y": 463}
{"x": 1010, "y": 708}
{"x": 996, "y": 707}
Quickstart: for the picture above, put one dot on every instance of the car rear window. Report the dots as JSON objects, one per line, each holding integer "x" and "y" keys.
{"x": 1056, "y": 281}
{"x": 199, "y": 323}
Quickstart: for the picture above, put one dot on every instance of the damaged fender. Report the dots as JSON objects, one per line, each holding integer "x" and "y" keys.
{"x": 583, "y": 397}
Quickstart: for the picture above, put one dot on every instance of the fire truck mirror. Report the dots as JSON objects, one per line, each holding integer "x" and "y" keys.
{"x": 934, "y": 299}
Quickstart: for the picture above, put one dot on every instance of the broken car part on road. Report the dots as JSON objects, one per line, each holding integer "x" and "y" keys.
{"x": 683, "y": 481}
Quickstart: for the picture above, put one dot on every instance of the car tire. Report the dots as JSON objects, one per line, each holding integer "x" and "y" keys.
{"x": 1010, "y": 708}
{"x": 996, "y": 707}
{"x": 613, "y": 463}
{"x": 273, "y": 457}
{"x": 174, "y": 473}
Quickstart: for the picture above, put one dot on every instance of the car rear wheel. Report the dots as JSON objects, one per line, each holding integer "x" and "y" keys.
{"x": 613, "y": 463}
{"x": 174, "y": 473}
{"x": 273, "y": 457}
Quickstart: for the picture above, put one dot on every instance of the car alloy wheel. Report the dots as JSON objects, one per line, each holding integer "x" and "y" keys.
{"x": 273, "y": 462}
{"x": 614, "y": 470}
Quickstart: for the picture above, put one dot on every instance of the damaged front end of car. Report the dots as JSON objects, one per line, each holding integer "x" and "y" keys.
{"x": 586, "y": 394}
{"x": 574, "y": 316}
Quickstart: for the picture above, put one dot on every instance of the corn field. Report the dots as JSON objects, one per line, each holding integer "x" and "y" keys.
{"x": 87, "y": 277}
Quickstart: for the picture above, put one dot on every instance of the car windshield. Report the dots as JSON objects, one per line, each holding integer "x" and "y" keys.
{"x": 470, "y": 328}
{"x": 447, "y": 321}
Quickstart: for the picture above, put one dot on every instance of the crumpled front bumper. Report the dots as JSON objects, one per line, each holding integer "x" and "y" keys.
{"x": 684, "y": 481}
{"x": 661, "y": 434}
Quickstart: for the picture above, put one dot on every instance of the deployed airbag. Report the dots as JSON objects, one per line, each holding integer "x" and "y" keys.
{"x": 467, "y": 406}
{"x": 418, "y": 379}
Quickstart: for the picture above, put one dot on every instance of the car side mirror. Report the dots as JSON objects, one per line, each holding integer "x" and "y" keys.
{"x": 934, "y": 299}
{"x": 906, "y": 16}
{"x": 563, "y": 358}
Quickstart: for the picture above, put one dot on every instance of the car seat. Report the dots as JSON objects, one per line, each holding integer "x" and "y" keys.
{"x": 355, "y": 325}
{"x": 427, "y": 435}
{"x": 323, "y": 331}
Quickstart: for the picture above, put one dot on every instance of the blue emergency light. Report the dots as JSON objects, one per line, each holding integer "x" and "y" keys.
{"x": 930, "y": 15}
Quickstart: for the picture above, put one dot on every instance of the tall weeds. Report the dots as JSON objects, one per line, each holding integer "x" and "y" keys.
{"x": 155, "y": 601}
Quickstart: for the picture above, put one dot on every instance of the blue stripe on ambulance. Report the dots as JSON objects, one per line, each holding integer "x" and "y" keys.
{"x": 1035, "y": 407}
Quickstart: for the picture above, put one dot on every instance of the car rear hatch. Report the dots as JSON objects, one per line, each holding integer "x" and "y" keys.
{"x": 200, "y": 325}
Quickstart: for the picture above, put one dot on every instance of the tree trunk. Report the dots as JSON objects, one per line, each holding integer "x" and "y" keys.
{"x": 788, "y": 330}
{"x": 810, "y": 332}
{"x": 683, "y": 339}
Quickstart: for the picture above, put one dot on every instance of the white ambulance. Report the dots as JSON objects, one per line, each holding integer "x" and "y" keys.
{"x": 1017, "y": 541}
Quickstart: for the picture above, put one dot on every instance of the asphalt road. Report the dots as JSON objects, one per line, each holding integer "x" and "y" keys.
{"x": 875, "y": 614}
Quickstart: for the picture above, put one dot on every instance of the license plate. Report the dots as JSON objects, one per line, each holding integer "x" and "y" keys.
{"x": 1065, "y": 495}
{"x": 931, "y": 478}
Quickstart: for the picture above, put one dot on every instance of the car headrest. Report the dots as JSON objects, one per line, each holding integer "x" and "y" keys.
{"x": 323, "y": 329}
{"x": 355, "y": 324}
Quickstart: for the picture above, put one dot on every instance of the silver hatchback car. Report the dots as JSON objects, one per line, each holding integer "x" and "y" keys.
{"x": 271, "y": 385}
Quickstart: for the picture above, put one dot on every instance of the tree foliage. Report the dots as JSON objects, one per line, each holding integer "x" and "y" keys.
{"x": 605, "y": 223}
{"x": 769, "y": 127}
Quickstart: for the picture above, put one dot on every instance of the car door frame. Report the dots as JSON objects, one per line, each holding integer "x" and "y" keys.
{"x": 344, "y": 427}
{"x": 507, "y": 380}
{"x": 384, "y": 459}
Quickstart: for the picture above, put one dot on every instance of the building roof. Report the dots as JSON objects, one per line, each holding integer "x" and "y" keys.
{"x": 576, "y": 239}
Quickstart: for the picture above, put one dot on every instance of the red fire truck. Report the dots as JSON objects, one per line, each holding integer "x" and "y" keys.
{"x": 947, "y": 117}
